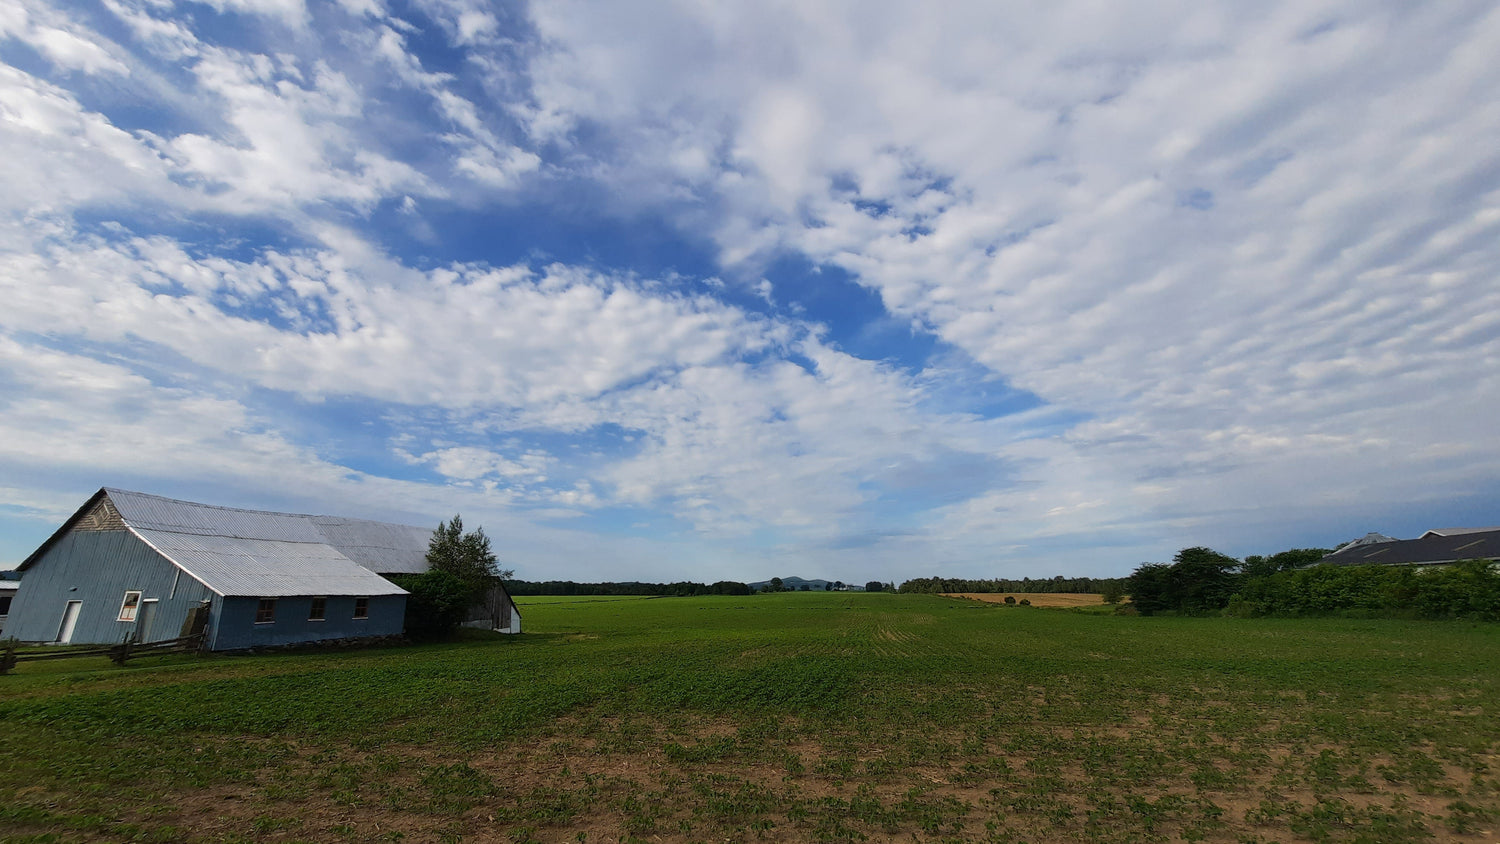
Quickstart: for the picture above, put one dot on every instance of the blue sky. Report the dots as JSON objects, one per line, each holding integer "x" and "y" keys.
{"x": 703, "y": 291}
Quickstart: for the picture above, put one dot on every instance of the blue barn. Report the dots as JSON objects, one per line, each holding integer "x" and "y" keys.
{"x": 128, "y": 562}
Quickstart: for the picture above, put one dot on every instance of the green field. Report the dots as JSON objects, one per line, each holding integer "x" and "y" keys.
{"x": 799, "y": 717}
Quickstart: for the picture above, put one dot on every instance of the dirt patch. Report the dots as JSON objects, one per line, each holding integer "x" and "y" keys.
{"x": 604, "y": 779}
{"x": 1037, "y": 599}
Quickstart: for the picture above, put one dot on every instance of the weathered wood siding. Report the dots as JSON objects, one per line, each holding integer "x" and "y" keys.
{"x": 97, "y": 567}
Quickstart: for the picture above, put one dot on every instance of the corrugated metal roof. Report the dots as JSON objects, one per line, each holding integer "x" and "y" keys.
{"x": 378, "y": 546}
{"x": 237, "y": 566}
{"x": 1459, "y": 531}
{"x": 152, "y": 512}
{"x": 1431, "y": 549}
{"x": 258, "y": 552}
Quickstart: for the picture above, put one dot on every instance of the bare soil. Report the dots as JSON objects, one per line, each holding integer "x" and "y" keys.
{"x": 1037, "y": 599}
{"x": 589, "y": 783}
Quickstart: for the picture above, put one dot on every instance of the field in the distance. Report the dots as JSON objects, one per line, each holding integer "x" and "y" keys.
{"x": 801, "y": 717}
{"x": 1037, "y": 599}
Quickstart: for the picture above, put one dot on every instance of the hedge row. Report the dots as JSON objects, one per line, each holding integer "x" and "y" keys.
{"x": 1469, "y": 589}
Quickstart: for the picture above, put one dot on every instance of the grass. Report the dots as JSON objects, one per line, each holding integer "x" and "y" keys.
{"x": 830, "y": 717}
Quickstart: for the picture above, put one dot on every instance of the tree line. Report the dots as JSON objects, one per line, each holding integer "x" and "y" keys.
{"x": 1077, "y": 585}
{"x": 1201, "y": 581}
{"x": 627, "y": 587}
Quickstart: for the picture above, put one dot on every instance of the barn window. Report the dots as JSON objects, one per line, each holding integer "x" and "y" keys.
{"x": 130, "y": 606}
{"x": 319, "y": 609}
{"x": 361, "y": 607}
{"x": 5, "y": 605}
{"x": 266, "y": 612}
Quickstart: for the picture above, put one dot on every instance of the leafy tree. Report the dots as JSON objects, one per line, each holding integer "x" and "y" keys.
{"x": 1204, "y": 579}
{"x": 1258, "y": 566}
{"x": 1150, "y": 588}
{"x": 1113, "y": 591}
{"x": 1199, "y": 580}
{"x": 466, "y": 556}
{"x": 437, "y": 603}
{"x": 874, "y": 586}
{"x": 776, "y": 585}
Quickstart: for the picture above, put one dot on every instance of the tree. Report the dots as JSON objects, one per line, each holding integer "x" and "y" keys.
{"x": 466, "y": 556}
{"x": 1205, "y": 579}
{"x": 1149, "y": 587}
{"x": 775, "y": 585}
{"x": 437, "y": 602}
{"x": 1258, "y": 566}
{"x": 874, "y": 586}
{"x": 1199, "y": 580}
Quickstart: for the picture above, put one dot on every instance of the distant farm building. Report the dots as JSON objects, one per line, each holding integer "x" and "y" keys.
{"x": 131, "y": 563}
{"x": 7, "y": 594}
{"x": 1440, "y": 547}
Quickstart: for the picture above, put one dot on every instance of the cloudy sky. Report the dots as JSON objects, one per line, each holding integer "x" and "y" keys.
{"x": 702, "y": 290}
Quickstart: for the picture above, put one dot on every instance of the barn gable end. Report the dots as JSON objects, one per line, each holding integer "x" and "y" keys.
{"x": 93, "y": 568}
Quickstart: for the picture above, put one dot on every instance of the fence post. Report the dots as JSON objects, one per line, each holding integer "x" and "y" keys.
{"x": 8, "y": 656}
{"x": 121, "y": 652}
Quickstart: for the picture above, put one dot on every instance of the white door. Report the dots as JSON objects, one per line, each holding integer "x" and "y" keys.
{"x": 143, "y": 620}
{"x": 70, "y": 620}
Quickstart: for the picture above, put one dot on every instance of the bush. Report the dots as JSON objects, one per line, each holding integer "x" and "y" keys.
{"x": 437, "y": 604}
{"x": 1469, "y": 589}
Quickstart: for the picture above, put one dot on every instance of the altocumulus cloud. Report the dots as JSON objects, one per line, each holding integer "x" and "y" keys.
{"x": 849, "y": 290}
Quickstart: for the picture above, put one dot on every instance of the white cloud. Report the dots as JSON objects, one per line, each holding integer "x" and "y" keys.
{"x": 292, "y": 13}
{"x": 53, "y": 35}
{"x": 1243, "y": 255}
{"x": 56, "y": 152}
{"x": 1210, "y": 228}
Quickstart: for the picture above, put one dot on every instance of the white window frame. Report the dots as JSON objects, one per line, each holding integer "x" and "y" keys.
{"x": 128, "y": 609}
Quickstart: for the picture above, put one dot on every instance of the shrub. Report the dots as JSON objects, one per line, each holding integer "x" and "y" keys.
{"x": 437, "y": 603}
{"x": 1469, "y": 589}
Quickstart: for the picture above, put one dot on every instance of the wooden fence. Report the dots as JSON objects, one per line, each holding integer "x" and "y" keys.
{"x": 11, "y": 654}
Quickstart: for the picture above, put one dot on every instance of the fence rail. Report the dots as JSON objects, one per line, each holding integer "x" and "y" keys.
{"x": 11, "y": 654}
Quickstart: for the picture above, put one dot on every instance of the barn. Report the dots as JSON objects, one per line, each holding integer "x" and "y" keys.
{"x": 131, "y": 563}
{"x": 1438, "y": 547}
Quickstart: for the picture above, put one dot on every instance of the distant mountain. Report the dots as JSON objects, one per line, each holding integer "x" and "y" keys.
{"x": 795, "y": 584}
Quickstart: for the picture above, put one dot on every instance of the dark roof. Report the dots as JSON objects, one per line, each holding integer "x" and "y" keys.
{"x": 1432, "y": 549}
